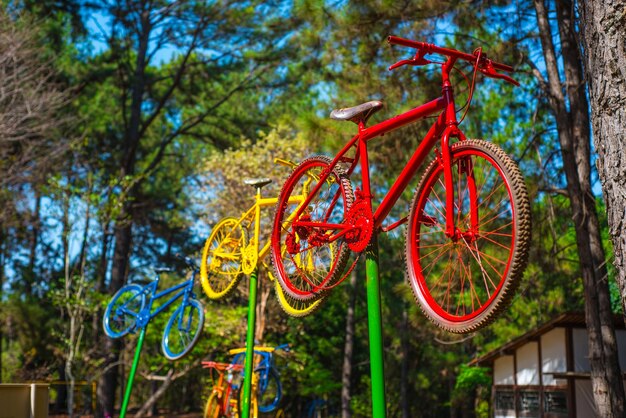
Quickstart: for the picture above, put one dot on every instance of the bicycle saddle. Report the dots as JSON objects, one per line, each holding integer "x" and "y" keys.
{"x": 357, "y": 114}
{"x": 260, "y": 182}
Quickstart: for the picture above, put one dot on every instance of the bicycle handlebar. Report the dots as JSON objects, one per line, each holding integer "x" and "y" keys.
{"x": 485, "y": 66}
{"x": 286, "y": 163}
{"x": 259, "y": 349}
{"x": 221, "y": 366}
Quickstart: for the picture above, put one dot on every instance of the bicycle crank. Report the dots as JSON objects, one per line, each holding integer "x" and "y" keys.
{"x": 361, "y": 221}
{"x": 249, "y": 258}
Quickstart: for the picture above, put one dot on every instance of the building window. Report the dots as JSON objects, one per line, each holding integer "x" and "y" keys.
{"x": 505, "y": 402}
{"x": 555, "y": 402}
{"x": 528, "y": 403}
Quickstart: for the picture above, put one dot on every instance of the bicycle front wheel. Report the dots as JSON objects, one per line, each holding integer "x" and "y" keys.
{"x": 120, "y": 316}
{"x": 212, "y": 408}
{"x": 308, "y": 252}
{"x": 463, "y": 278}
{"x": 183, "y": 330}
{"x": 220, "y": 268}
{"x": 269, "y": 391}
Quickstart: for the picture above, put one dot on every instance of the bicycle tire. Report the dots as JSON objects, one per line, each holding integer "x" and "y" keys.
{"x": 294, "y": 307}
{"x": 489, "y": 259}
{"x": 132, "y": 300}
{"x": 212, "y": 408}
{"x": 186, "y": 333}
{"x": 269, "y": 390}
{"x": 220, "y": 273}
{"x": 324, "y": 261}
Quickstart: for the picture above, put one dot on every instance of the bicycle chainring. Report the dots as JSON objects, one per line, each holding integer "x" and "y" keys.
{"x": 360, "y": 218}
{"x": 249, "y": 259}
{"x": 291, "y": 243}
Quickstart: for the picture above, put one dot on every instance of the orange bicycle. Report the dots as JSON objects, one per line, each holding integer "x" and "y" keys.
{"x": 223, "y": 401}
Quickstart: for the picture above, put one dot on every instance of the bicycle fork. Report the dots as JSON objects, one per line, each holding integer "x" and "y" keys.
{"x": 465, "y": 167}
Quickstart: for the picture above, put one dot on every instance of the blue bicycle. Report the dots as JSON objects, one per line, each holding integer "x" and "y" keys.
{"x": 130, "y": 309}
{"x": 266, "y": 385}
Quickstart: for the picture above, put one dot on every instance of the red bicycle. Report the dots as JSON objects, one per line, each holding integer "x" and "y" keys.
{"x": 468, "y": 227}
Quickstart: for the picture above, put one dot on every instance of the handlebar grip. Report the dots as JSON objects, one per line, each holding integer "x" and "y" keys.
{"x": 284, "y": 162}
{"x": 395, "y": 40}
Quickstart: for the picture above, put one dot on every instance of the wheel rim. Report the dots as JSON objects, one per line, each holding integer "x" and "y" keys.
{"x": 222, "y": 256}
{"x": 121, "y": 315}
{"x": 182, "y": 331}
{"x": 294, "y": 307}
{"x": 460, "y": 278}
{"x": 269, "y": 392}
{"x": 309, "y": 264}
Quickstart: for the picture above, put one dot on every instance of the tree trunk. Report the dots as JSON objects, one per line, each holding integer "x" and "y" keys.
{"x": 151, "y": 402}
{"x": 603, "y": 26}
{"x": 2, "y": 262}
{"x": 574, "y": 139}
{"x": 123, "y": 224}
{"x": 107, "y": 384}
{"x": 346, "y": 374}
{"x": 34, "y": 240}
{"x": 96, "y": 319}
{"x": 404, "y": 364}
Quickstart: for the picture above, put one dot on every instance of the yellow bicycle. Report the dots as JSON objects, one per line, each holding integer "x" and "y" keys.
{"x": 230, "y": 252}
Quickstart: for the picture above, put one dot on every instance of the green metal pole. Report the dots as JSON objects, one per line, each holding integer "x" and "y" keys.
{"x": 133, "y": 369}
{"x": 247, "y": 380}
{"x": 374, "y": 324}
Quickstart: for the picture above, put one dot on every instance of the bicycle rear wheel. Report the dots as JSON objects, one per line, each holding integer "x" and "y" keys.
{"x": 120, "y": 316}
{"x": 314, "y": 258}
{"x": 463, "y": 280}
{"x": 183, "y": 330}
{"x": 220, "y": 268}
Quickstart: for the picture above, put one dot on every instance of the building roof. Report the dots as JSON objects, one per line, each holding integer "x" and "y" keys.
{"x": 566, "y": 320}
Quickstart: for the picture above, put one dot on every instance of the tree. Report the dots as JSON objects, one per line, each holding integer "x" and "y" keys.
{"x": 158, "y": 108}
{"x": 30, "y": 106}
{"x": 574, "y": 136}
{"x": 604, "y": 52}
{"x": 31, "y": 135}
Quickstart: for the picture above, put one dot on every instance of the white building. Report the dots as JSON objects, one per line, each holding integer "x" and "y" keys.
{"x": 545, "y": 372}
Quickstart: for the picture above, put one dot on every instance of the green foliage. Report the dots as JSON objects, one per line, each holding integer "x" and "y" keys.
{"x": 470, "y": 377}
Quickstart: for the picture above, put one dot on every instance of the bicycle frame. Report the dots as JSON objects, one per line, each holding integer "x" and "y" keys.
{"x": 146, "y": 315}
{"x": 444, "y": 128}
{"x": 255, "y": 211}
{"x": 224, "y": 388}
